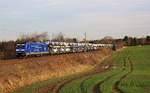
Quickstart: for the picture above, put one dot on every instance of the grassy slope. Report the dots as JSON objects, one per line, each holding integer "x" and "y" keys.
{"x": 80, "y": 60}
{"x": 75, "y": 86}
{"x": 18, "y": 73}
{"x": 137, "y": 82}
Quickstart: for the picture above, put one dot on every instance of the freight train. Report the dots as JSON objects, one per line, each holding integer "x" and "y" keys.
{"x": 51, "y": 48}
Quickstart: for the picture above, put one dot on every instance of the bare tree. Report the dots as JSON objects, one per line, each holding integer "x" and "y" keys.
{"x": 58, "y": 37}
{"x": 34, "y": 37}
{"x": 108, "y": 40}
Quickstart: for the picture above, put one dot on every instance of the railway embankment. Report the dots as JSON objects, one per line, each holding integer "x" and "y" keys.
{"x": 16, "y": 73}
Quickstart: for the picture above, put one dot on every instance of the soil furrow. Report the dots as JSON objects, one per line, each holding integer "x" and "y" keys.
{"x": 55, "y": 88}
{"x": 116, "y": 85}
{"x": 82, "y": 85}
{"x": 97, "y": 87}
{"x": 61, "y": 84}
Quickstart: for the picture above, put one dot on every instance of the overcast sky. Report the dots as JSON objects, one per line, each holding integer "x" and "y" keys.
{"x": 98, "y": 18}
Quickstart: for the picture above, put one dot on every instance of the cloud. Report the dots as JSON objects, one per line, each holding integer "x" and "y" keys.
{"x": 99, "y": 25}
{"x": 96, "y": 17}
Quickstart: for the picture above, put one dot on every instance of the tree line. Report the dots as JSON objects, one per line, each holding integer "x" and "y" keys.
{"x": 7, "y": 48}
{"x": 133, "y": 41}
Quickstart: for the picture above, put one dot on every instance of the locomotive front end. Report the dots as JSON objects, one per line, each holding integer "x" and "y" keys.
{"x": 20, "y": 50}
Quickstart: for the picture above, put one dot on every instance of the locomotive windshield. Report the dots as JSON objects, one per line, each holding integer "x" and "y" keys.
{"x": 20, "y": 46}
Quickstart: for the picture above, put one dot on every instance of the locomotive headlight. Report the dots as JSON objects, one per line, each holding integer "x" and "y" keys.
{"x": 20, "y": 50}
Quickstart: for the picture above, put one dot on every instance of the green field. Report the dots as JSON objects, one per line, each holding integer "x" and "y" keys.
{"x": 130, "y": 73}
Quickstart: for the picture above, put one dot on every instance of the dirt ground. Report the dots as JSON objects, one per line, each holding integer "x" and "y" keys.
{"x": 17, "y": 73}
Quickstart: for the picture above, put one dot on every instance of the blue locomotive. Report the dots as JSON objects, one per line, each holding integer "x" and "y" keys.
{"x": 31, "y": 48}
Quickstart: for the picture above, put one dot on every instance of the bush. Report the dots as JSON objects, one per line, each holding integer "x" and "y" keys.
{"x": 7, "y": 50}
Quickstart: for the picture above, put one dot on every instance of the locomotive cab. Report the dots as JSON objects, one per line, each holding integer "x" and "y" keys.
{"x": 20, "y": 50}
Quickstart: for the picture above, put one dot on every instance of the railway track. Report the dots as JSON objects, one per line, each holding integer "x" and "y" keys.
{"x": 30, "y": 59}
